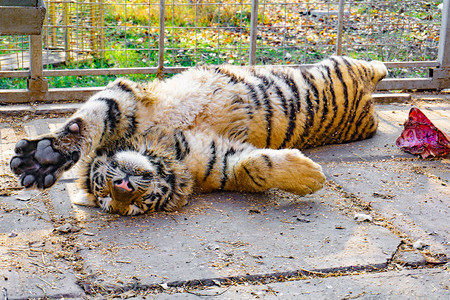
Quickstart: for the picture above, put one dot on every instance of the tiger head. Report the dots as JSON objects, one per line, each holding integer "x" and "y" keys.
{"x": 130, "y": 182}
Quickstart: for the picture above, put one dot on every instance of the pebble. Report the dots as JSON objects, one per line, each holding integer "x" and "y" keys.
{"x": 213, "y": 247}
{"x": 419, "y": 245}
{"x": 363, "y": 217}
{"x": 303, "y": 220}
{"x": 24, "y": 196}
{"x": 66, "y": 228}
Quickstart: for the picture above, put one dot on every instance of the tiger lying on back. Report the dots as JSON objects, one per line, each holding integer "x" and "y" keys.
{"x": 158, "y": 170}
{"x": 145, "y": 148}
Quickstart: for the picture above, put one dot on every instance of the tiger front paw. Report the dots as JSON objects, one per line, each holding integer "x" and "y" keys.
{"x": 39, "y": 163}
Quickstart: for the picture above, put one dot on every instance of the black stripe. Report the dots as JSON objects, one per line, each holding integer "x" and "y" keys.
{"x": 294, "y": 102}
{"x": 309, "y": 102}
{"x": 178, "y": 150}
{"x": 363, "y": 132}
{"x": 251, "y": 177}
{"x": 253, "y": 94}
{"x": 147, "y": 197}
{"x": 266, "y": 84}
{"x": 112, "y": 116}
{"x": 124, "y": 87}
{"x": 356, "y": 98}
{"x": 224, "y": 179}
{"x": 160, "y": 170}
{"x": 132, "y": 125}
{"x": 372, "y": 73}
{"x": 267, "y": 160}
{"x": 324, "y": 99}
{"x": 318, "y": 138}
{"x": 87, "y": 182}
{"x": 357, "y": 66}
{"x": 181, "y": 146}
{"x": 238, "y": 133}
{"x": 357, "y": 101}
{"x": 309, "y": 78}
{"x": 344, "y": 86}
{"x": 167, "y": 198}
{"x": 158, "y": 202}
{"x": 349, "y": 103}
{"x": 364, "y": 113}
{"x": 333, "y": 100}
{"x": 282, "y": 98}
{"x": 233, "y": 78}
{"x": 365, "y": 72}
{"x": 211, "y": 161}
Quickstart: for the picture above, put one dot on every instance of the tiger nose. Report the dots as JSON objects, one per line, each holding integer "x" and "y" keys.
{"x": 124, "y": 184}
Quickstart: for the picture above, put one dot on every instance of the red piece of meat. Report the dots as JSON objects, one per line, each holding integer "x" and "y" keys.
{"x": 420, "y": 136}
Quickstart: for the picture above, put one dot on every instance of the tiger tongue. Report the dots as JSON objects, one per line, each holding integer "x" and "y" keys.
{"x": 420, "y": 136}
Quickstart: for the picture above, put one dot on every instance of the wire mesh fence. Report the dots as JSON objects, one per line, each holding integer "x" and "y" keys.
{"x": 105, "y": 34}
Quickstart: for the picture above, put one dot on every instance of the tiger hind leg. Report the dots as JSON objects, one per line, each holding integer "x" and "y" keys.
{"x": 286, "y": 169}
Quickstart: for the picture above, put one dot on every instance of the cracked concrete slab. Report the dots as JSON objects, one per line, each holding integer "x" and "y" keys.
{"x": 415, "y": 203}
{"x": 228, "y": 234}
{"x": 410, "y": 192}
{"x": 404, "y": 284}
{"x": 221, "y": 235}
{"x": 30, "y": 252}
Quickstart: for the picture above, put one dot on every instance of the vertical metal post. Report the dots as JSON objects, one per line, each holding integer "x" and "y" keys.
{"x": 442, "y": 74}
{"x": 102, "y": 31}
{"x": 253, "y": 32}
{"x": 67, "y": 36}
{"x": 36, "y": 83}
{"x": 162, "y": 28}
{"x": 340, "y": 27}
{"x": 444, "y": 39}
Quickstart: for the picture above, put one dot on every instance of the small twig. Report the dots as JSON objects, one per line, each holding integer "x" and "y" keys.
{"x": 358, "y": 156}
{"x": 355, "y": 296}
{"x": 173, "y": 218}
{"x": 51, "y": 285}
{"x": 313, "y": 272}
{"x": 5, "y": 294}
{"x": 283, "y": 256}
{"x": 123, "y": 261}
{"x": 287, "y": 222}
{"x": 41, "y": 288}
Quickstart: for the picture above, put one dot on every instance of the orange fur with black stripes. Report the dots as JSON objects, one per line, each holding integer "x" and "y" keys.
{"x": 257, "y": 109}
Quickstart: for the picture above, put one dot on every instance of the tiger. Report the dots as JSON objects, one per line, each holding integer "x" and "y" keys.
{"x": 177, "y": 163}
{"x": 147, "y": 147}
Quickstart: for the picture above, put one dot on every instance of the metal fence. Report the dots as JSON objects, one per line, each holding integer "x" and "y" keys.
{"x": 85, "y": 43}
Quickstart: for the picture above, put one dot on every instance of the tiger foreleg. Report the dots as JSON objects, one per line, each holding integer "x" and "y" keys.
{"x": 102, "y": 120}
{"x": 286, "y": 169}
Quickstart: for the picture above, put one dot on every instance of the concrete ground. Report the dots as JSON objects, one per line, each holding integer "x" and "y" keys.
{"x": 242, "y": 246}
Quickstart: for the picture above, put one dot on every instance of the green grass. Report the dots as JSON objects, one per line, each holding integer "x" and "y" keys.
{"x": 192, "y": 37}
